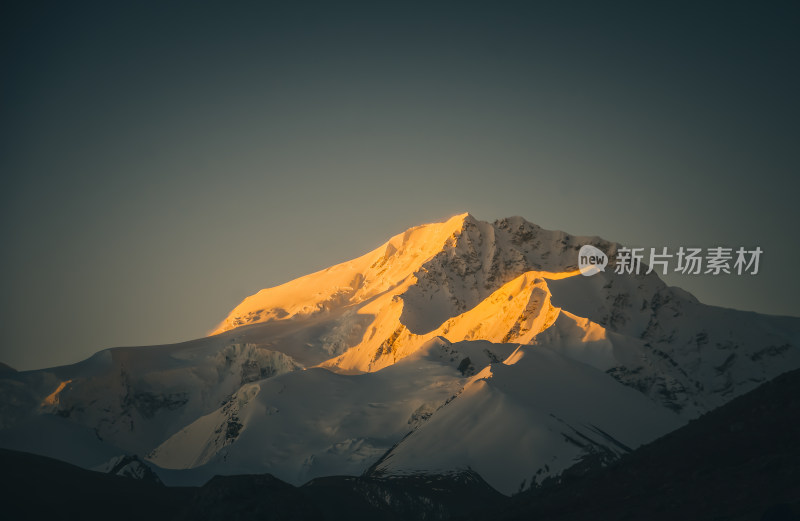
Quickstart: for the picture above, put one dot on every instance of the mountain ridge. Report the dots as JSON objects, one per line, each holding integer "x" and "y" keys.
{"x": 462, "y": 325}
{"x": 715, "y": 467}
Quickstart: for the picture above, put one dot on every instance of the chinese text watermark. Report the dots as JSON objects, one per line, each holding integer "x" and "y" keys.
{"x": 687, "y": 261}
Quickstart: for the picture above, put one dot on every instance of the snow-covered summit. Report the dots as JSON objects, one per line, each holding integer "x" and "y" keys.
{"x": 412, "y": 286}
{"x": 350, "y": 282}
{"x": 487, "y": 255}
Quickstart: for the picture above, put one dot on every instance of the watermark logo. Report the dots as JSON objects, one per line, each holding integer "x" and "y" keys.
{"x": 687, "y": 261}
{"x": 591, "y": 260}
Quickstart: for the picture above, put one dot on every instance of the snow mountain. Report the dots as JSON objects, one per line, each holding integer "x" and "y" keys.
{"x": 455, "y": 346}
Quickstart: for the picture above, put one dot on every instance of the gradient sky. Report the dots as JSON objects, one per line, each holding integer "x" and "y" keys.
{"x": 162, "y": 160}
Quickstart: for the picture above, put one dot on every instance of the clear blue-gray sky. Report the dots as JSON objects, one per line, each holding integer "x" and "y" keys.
{"x": 162, "y": 160}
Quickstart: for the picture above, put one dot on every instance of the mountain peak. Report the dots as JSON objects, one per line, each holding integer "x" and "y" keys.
{"x": 353, "y": 281}
{"x": 466, "y": 217}
{"x": 417, "y": 283}
{"x": 462, "y": 254}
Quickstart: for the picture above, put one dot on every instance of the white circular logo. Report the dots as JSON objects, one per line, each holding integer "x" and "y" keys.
{"x": 591, "y": 260}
